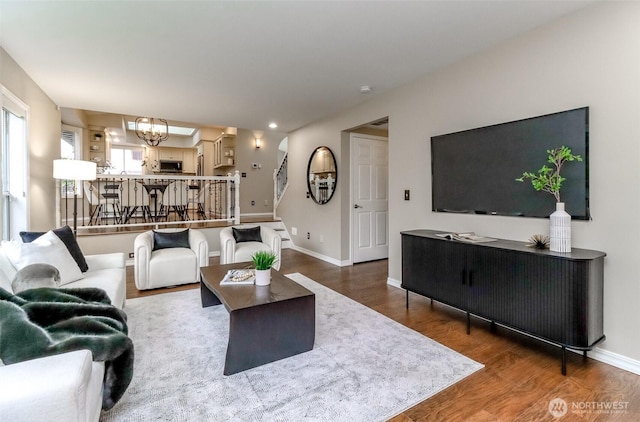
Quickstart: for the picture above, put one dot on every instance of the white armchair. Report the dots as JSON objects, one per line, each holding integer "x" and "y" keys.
{"x": 232, "y": 251}
{"x": 169, "y": 266}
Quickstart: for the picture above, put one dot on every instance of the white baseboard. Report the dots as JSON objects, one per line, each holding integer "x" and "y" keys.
{"x": 395, "y": 283}
{"x": 325, "y": 258}
{"x": 615, "y": 359}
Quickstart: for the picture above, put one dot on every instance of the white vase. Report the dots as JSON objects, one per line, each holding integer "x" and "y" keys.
{"x": 263, "y": 277}
{"x": 560, "y": 230}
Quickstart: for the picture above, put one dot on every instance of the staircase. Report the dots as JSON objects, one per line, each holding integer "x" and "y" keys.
{"x": 280, "y": 228}
{"x": 280, "y": 183}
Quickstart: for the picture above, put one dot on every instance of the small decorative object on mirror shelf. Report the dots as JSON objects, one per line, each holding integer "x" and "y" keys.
{"x": 539, "y": 241}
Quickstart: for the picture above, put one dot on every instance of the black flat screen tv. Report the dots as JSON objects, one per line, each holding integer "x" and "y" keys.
{"x": 474, "y": 171}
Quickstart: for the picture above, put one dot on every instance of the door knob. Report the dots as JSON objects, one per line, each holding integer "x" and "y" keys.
{"x": 357, "y": 206}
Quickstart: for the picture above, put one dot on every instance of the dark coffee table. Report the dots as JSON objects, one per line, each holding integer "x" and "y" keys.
{"x": 266, "y": 323}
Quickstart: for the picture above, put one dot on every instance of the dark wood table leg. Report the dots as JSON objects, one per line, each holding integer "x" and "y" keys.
{"x": 207, "y": 297}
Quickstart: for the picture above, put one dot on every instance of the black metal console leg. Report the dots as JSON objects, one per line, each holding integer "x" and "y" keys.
{"x": 564, "y": 360}
{"x": 584, "y": 355}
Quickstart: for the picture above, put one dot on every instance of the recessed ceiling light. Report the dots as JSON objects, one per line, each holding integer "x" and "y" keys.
{"x": 273, "y": 125}
{"x": 365, "y": 89}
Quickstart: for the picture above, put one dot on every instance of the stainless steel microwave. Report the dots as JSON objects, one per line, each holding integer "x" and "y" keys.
{"x": 170, "y": 166}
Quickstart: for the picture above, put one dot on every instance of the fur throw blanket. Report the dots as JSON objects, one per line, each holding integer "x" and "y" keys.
{"x": 48, "y": 321}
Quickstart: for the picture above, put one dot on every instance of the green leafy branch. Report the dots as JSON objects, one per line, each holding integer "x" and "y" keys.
{"x": 548, "y": 179}
{"x": 263, "y": 260}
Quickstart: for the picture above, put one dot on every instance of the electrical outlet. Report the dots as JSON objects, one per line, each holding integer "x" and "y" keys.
{"x": 294, "y": 231}
{"x": 131, "y": 255}
{"x": 308, "y": 235}
{"x": 407, "y": 195}
{"x": 266, "y": 202}
{"x": 321, "y": 239}
{"x": 253, "y": 203}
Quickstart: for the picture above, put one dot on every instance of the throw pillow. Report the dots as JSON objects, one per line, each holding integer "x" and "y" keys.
{"x": 247, "y": 235}
{"x": 46, "y": 249}
{"x": 164, "y": 240}
{"x": 34, "y": 276}
{"x": 66, "y": 235}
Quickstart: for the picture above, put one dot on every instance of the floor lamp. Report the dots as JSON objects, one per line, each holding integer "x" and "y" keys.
{"x": 76, "y": 170}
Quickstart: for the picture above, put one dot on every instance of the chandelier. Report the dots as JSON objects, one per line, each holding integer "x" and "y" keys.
{"x": 152, "y": 131}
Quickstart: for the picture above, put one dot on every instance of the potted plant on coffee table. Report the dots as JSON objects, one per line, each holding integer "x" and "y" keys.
{"x": 548, "y": 179}
{"x": 263, "y": 261}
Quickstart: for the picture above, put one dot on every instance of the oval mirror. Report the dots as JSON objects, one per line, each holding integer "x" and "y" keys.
{"x": 322, "y": 175}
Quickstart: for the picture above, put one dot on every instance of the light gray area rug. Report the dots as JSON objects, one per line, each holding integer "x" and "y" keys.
{"x": 363, "y": 367}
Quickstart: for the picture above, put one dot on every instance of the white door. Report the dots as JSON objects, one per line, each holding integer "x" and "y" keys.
{"x": 369, "y": 199}
{"x": 14, "y": 166}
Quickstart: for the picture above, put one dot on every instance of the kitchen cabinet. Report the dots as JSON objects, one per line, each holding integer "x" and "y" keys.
{"x": 186, "y": 155}
{"x": 556, "y": 297}
{"x": 205, "y": 158}
{"x": 224, "y": 151}
{"x": 152, "y": 161}
{"x": 174, "y": 154}
{"x": 189, "y": 161}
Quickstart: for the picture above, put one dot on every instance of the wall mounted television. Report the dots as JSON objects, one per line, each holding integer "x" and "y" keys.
{"x": 474, "y": 171}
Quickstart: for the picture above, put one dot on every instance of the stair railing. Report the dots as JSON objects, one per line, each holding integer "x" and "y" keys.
{"x": 280, "y": 183}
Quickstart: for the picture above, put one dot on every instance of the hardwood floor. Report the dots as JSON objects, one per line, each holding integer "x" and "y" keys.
{"x": 521, "y": 375}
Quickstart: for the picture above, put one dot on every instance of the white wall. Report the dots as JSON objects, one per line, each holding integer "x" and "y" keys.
{"x": 43, "y": 139}
{"x": 258, "y": 185}
{"x": 590, "y": 58}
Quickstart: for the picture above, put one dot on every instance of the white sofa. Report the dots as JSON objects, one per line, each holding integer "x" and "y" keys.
{"x": 68, "y": 386}
{"x": 232, "y": 251}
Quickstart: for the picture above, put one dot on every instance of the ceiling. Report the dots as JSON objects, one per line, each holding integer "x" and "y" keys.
{"x": 245, "y": 64}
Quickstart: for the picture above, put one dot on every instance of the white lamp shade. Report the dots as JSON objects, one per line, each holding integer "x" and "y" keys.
{"x": 74, "y": 170}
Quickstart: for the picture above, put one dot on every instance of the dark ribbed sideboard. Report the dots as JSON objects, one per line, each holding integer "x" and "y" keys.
{"x": 556, "y": 297}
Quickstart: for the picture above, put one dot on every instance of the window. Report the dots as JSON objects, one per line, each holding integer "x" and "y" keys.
{"x": 15, "y": 195}
{"x": 70, "y": 149}
{"x": 127, "y": 160}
